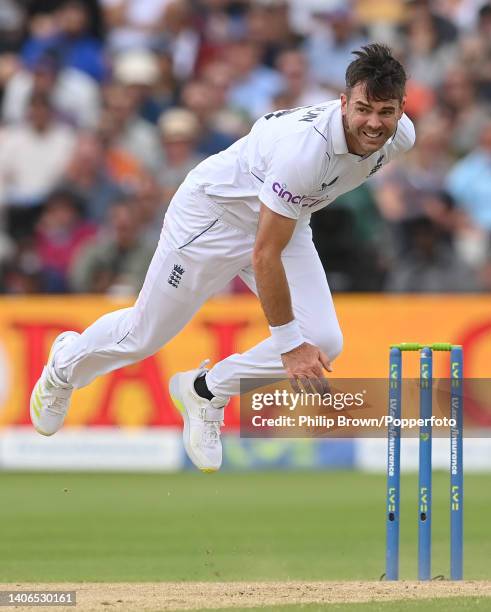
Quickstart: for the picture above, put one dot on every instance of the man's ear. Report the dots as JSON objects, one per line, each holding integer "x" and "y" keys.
{"x": 344, "y": 103}
{"x": 403, "y": 105}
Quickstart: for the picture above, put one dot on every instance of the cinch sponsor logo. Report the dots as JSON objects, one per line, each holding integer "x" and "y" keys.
{"x": 288, "y": 196}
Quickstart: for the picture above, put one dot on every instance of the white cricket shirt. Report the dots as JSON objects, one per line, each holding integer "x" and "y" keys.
{"x": 295, "y": 162}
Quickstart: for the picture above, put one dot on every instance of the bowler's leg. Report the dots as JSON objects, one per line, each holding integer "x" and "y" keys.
{"x": 196, "y": 256}
{"x": 126, "y": 336}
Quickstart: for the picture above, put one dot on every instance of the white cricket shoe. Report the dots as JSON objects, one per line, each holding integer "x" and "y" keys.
{"x": 50, "y": 398}
{"x": 202, "y": 420}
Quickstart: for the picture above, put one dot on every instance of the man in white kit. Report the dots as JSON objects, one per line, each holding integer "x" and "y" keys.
{"x": 246, "y": 211}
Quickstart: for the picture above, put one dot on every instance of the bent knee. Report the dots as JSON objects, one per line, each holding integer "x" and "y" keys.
{"x": 330, "y": 341}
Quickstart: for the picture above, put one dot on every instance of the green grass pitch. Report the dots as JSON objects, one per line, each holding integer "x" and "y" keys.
{"x": 225, "y": 526}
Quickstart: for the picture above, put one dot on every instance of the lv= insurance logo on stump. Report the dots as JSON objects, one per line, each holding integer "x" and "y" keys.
{"x": 425, "y": 462}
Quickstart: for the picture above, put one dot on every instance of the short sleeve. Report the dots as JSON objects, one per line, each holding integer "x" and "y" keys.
{"x": 286, "y": 184}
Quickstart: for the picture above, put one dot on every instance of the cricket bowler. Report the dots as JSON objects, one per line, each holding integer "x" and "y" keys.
{"x": 246, "y": 212}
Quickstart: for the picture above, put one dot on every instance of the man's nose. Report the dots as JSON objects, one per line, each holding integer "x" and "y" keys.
{"x": 374, "y": 122}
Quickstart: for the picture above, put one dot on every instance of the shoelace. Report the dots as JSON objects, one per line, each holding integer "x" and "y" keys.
{"x": 211, "y": 429}
{"x": 58, "y": 397}
{"x": 211, "y": 433}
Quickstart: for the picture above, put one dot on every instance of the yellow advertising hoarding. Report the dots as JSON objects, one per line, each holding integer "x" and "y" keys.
{"x": 138, "y": 395}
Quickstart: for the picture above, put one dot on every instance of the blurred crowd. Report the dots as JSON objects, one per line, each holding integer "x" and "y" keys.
{"x": 105, "y": 105}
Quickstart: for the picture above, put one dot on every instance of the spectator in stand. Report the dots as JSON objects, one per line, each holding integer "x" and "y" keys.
{"x": 465, "y": 113}
{"x": 165, "y": 91}
{"x": 268, "y": 25}
{"x": 12, "y": 16}
{"x": 33, "y": 158}
{"x": 21, "y": 273}
{"x": 469, "y": 183}
{"x": 60, "y": 233}
{"x": 7, "y": 248}
{"x": 330, "y": 46}
{"x": 116, "y": 261}
{"x": 218, "y": 21}
{"x": 9, "y": 65}
{"x": 198, "y": 97}
{"x": 463, "y": 14}
{"x": 180, "y": 130}
{"x": 74, "y": 95}
{"x": 253, "y": 83}
{"x": 299, "y": 89}
{"x": 431, "y": 264}
{"x": 88, "y": 177}
{"x": 414, "y": 188}
{"x": 133, "y": 23}
{"x": 402, "y": 188}
{"x": 223, "y": 63}
{"x": 131, "y": 133}
{"x": 122, "y": 167}
{"x": 350, "y": 256}
{"x": 382, "y": 19}
{"x": 476, "y": 53}
{"x": 222, "y": 117}
{"x": 150, "y": 208}
{"x": 182, "y": 37}
{"x": 148, "y": 80}
{"x": 484, "y": 273}
{"x": 70, "y": 41}
{"x": 430, "y": 45}
{"x": 421, "y": 11}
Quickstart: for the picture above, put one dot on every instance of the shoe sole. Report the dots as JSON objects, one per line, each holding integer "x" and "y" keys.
{"x": 35, "y": 401}
{"x": 175, "y": 395}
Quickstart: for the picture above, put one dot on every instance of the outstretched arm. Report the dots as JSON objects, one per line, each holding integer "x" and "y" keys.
{"x": 301, "y": 359}
{"x": 273, "y": 234}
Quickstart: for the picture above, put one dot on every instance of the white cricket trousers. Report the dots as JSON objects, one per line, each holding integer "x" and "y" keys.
{"x": 200, "y": 251}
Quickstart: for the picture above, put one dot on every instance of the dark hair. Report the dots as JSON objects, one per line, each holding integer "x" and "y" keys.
{"x": 66, "y": 194}
{"x": 383, "y": 75}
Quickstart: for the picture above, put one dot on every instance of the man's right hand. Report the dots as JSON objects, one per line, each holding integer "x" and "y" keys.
{"x": 305, "y": 364}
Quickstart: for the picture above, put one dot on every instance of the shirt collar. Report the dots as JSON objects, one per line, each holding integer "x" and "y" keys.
{"x": 339, "y": 145}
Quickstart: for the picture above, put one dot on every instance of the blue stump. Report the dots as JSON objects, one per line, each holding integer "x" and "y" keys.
{"x": 424, "y": 484}
{"x": 456, "y": 464}
{"x": 393, "y": 467}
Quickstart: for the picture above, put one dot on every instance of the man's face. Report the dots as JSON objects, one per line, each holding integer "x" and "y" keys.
{"x": 368, "y": 124}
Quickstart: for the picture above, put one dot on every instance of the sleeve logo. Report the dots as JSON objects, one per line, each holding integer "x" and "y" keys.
{"x": 304, "y": 200}
{"x": 282, "y": 192}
